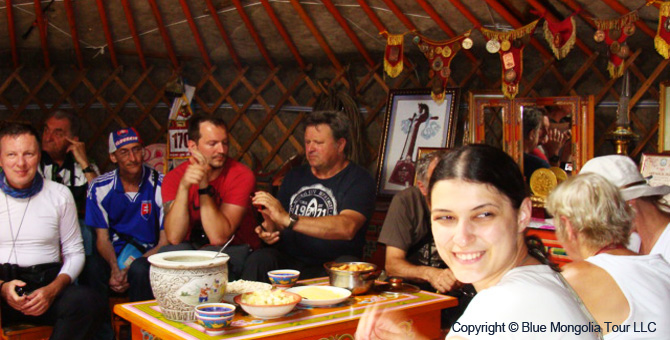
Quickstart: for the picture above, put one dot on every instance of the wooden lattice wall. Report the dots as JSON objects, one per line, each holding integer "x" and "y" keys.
{"x": 264, "y": 107}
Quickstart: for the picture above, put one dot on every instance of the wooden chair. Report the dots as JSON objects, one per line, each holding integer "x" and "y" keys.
{"x": 24, "y": 332}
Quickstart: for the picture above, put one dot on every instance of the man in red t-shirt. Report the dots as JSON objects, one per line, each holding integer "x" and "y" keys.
{"x": 207, "y": 199}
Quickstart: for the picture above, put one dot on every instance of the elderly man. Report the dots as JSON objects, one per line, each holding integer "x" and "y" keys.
{"x": 41, "y": 245}
{"x": 64, "y": 156}
{"x": 322, "y": 209}
{"x": 410, "y": 249}
{"x": 652, "y": 214}
{"x": 125, "y": 208}
{"x": 207, "y": 199}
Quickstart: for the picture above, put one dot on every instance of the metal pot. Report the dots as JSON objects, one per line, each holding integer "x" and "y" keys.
{"x": 358, "y": 282}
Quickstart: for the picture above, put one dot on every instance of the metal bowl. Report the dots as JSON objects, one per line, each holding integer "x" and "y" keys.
{"x": 358, "y": 282}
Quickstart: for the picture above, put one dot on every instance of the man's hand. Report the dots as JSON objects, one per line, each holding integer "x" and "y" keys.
{"x": 78, "y": 150}
{"x": 118, "y": 280}
{"x": 196, "y": 172}
{"x": 442, "y": 279}
{"x": 266, "y": 236}
{"x": 9, "y": 294}
{"x": 39, "y": 301}
{"x": 271, "y": 208}
{"x": 555, "y": 141}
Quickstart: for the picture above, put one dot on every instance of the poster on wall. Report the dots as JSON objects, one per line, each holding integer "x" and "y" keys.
{"x": 413, "y": 120}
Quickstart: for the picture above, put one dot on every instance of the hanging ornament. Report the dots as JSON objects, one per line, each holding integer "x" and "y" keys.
{"x": 439, "y": 55}
{"x": 662, "y": 38}
{"x": 512, "y": 59}
{"x": 615, "y": 36}
{"x": 599, "y": 36}
{"x": 624, "y": 51}
{"x": 467, "y": 43}
{"x": 561, "y": 36}
{"x": 629, "y": 29}
{"x": 505, "y": 45}
{"x": 393, "y": 54}
{"x": 493, "y": 46}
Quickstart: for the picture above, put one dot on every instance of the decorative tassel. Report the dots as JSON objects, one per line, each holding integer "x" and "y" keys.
{"x": 556, "y": 33}
{"x": 614, "y": 70}
{"x": 393, "y": 54}
{"x": 662, "y": 38}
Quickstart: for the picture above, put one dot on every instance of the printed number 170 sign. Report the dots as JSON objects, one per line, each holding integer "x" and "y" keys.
{"x": 177, "y": 139}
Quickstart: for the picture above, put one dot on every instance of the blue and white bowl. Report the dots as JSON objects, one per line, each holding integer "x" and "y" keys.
{"x": 283, "y": 278}
{"x": 215, "y": 309}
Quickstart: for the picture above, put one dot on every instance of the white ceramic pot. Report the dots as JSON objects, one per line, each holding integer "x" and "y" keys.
{"x": 184, "y": 279}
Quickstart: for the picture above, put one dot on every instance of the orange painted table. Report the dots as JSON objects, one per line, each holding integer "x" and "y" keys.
{"x": 338, "y": 322}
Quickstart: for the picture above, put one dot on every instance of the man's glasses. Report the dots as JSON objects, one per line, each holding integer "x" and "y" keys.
{"x": 125, "y": 153}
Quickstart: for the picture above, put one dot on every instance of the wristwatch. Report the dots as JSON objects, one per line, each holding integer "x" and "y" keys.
{"x": 87, "y": 169}
{"x": 294, "y": 219}
{"x": 209, "y": 191}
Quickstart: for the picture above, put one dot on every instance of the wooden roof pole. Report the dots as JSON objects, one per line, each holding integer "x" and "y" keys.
{"x": 466, "y": 13}
{"x": 133, "y": 31}
{"x": 371, "y": 14}
{"x": 69, "y": 11}
{"x": 196, "y": 34}
{"x": 350, "y": 33}
{"x": 12, "y": 33}
{"x": 41, "y": 25}
{"x": 621, "y": 9}
{"x": 164, "y": 34}
{"x": 517, "y": 24}
{"x": 443, "y": 25}
{"x": 284, "y": 34}
{"x": 315, "y": 32}
{"x": 254, "y": 34}
{"x": 224, "y": 35}
{"x": 108, "y": 33}
{"x": 399, "y": 14}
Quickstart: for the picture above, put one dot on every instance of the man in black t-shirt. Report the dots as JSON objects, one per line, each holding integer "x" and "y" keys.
{"x": 322, "y": 210}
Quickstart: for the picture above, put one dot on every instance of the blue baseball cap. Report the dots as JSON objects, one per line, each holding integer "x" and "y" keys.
{"x": 121, "y": 137}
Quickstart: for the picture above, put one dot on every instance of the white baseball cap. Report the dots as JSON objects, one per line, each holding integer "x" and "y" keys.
{"x": 623, "y": 172}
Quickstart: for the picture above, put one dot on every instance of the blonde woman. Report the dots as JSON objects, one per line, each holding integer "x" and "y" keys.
{"x": 627, "y": 294}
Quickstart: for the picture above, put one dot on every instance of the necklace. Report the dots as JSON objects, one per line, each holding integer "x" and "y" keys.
{"x": 610, "y": 247}
{"x": 11, "y": 228}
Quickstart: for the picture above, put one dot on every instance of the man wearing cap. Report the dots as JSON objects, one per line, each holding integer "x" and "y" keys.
{"x": 125, "y": 207}
{"x": 652, "y": 214}
{"x": 208, "y": 198}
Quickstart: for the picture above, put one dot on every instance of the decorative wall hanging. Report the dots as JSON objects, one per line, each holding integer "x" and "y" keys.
{"x": 439, "y": 55}
{"x": 560, "y": 36}
{"x": 662, "y": 39}
{"x": 412, "y": 121}
{"x": 614, "y": 33}
{"x": 510, "y": 47}
{"x": 393, "y": 54}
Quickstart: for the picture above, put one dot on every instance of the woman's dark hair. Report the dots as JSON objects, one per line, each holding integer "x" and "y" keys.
{"x": 485, "y": 164}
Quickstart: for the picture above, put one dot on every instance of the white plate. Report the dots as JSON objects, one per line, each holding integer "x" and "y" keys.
{"x": 344, "y": 294}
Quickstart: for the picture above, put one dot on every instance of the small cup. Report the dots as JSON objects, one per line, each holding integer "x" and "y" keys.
{"x": 214, "y": 325}
{"x": 216, "y": 309}
{"x": 283, "y": 278}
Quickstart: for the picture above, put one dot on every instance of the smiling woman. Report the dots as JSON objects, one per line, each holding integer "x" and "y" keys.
{"x": 480, "y": 209}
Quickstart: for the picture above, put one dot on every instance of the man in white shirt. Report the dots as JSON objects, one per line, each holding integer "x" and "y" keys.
{"x": 42, "y": 247}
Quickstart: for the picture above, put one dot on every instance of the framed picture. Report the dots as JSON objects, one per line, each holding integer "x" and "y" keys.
{"x": 656, "y": 168}
{"x": 413, "y": 120}
{"x": 664, "y": 118}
